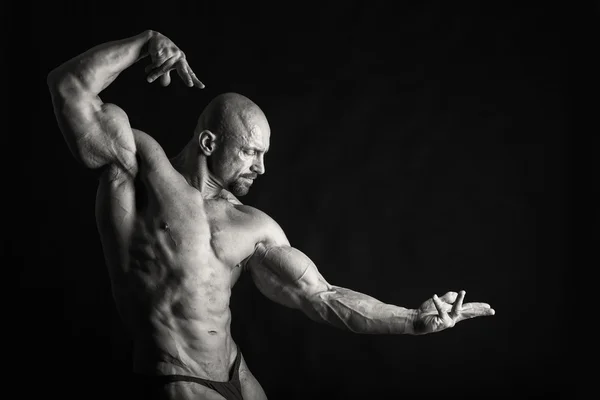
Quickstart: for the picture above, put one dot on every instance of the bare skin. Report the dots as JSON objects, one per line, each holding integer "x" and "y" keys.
{"x": 176, "y": 238}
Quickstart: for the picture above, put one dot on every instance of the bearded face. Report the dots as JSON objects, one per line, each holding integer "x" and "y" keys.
{"x": 240, "y": 159}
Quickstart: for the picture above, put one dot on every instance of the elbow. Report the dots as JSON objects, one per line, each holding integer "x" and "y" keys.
{"x": 149, "y": 33}
{"x": 317, "y": 308}
{"x": 64, "y": 85}
{"x": 67, "y": 78}
{"x": 57, "y": 77}
{"x": 52, "y": 79}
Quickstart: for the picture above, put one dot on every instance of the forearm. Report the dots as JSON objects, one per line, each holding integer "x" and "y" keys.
{"x": 99, "y": 66}
{"x": 360, "y": 313}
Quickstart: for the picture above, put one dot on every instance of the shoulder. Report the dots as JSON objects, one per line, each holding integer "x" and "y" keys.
{"x": 147, "y": 146}
{"x": 267, "y": 231}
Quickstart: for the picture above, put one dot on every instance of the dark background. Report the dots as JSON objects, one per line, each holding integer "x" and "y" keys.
{"x": 414, "y": 150}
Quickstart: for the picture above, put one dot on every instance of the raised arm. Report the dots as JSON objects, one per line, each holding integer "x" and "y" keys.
{"x": 286, "y": 275}
{"x": 99, "y": 133}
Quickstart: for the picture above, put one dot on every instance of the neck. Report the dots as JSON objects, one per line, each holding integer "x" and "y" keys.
{"x": 195, "y": 170}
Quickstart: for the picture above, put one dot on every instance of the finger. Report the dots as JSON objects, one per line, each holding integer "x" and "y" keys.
{"x": 449, "y": 297}
{"x": 195, "y": 79}
{"x": 472, "y": 310}
{"x": 162, "y": 69}
{"x": 162, "y": 54}
{"x": 165, "y": 79}
{"x": 153, "y": 65}
{"x": 439, "y": 306}
{"x": 184, "y": 74}
{"x": 457, "y": 307}
{"x": 476, "y": 305}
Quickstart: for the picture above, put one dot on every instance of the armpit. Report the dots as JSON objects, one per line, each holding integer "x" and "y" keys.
{"x": 256, "y": 257}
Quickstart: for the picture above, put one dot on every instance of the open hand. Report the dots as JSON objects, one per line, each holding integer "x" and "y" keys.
{"x": 439, "y": 313}
{"x": 166, "y": 56}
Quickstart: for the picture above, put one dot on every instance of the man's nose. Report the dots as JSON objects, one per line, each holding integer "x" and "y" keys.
{"x": 259, "y": 165}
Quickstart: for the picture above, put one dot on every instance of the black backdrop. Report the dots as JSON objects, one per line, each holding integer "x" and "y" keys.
{"x": 414, "y": 150}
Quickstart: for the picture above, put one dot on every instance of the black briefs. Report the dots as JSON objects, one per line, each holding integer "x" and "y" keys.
{"x": 231, "y": 390}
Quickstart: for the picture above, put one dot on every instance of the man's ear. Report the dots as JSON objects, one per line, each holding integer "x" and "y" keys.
{"x": 207, "y": 142}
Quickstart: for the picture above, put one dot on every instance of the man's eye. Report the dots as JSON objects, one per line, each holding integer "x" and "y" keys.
{"x": 249, "y": 152}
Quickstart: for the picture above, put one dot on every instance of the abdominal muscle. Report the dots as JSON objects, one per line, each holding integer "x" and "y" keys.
{"x": 172, "y": 259}
{"x": 173, "y": 295}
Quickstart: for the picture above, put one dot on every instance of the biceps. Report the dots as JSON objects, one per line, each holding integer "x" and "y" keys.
{"x": 286, "y": 275}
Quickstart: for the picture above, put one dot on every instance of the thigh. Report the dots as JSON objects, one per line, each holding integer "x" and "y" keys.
{"x": 251, "y": 389}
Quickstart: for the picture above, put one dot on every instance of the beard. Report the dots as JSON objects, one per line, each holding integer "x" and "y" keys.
{"x": 240, "y": 187}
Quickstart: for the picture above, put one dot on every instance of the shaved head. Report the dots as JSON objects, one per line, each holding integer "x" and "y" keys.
{"x": 230, "y": 115}
{"x": 241, "y": 136}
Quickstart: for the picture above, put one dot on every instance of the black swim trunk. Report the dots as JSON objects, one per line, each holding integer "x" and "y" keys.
{"x": 148, "y": 386}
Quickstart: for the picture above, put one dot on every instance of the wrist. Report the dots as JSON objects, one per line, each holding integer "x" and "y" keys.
{"x": 144, "y": 38}
{"x": 409, "y": 326}
{"x": 148, "y": 34}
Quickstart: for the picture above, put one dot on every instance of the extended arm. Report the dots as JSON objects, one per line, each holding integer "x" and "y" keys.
{"x": 287, "y": 276}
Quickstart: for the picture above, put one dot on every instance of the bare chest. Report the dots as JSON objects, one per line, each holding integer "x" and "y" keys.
{"x": 183, "y": 229}
{"x": 164, "y": 231}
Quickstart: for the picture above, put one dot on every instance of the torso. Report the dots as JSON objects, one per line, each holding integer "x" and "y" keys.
{"x": 173, "y": 258}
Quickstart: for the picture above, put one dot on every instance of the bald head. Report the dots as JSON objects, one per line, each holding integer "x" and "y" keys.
{"x": 233, "y": 134}
{"x": 231, "y": 115}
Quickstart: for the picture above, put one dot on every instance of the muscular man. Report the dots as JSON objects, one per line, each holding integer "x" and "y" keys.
{"x": 176, "y": 239}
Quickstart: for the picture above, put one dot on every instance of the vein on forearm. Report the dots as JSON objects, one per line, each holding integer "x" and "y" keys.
{"x": 360, "y": 313}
